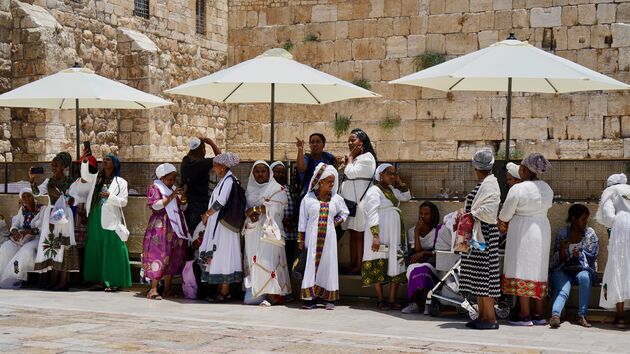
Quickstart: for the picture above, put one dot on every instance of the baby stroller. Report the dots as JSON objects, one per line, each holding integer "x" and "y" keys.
{"x": 446, "y": 290}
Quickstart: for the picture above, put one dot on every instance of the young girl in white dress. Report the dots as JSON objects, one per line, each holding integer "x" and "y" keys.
{"x": 320, "y": 211}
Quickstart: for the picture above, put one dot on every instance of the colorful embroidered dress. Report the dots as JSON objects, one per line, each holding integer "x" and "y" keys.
{"x": 163, "y": 252}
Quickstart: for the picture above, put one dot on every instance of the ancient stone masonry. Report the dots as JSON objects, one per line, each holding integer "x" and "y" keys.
{"x": 381, "y": 40}
{"x": 41, "y": 37}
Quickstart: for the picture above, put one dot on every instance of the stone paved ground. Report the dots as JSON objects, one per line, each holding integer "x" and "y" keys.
{"x": 45, "y": 322}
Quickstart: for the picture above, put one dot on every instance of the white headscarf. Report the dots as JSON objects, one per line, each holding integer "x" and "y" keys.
{"x": 258, "y": 193}
{"x": 618, "y": 178}
{"x": 164, "y": 170}
{"x": 26, "y": 190}
{"x": 322, "y": 171}
{"x": 173, "y": 211}
{"x": 512, "y": 169}
{"x": 381, "y": 168}
{"x": 277, "y": 163}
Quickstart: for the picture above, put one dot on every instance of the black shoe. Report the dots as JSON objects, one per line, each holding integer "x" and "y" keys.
{"x": 485, "y": 325}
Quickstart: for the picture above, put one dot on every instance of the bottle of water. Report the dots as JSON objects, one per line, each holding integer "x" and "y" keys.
{"x": 104, "y": 189}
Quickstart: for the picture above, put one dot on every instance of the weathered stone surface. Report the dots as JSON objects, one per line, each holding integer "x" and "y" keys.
{"x": 324, "y": 13}
{"x": 606, "y": 148}
{"x": 547, "y": 17}
{"x": 573, "y": 149}
{"x": 620, "y": 35}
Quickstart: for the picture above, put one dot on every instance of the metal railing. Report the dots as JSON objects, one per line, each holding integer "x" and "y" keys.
{"x": 571, "y": 180}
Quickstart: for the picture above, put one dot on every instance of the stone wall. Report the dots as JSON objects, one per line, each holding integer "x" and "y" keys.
{"x": 378, "y": 41}
{"x": 149, "y": 54}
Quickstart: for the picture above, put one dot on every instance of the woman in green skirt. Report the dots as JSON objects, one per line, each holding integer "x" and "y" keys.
{"x": 106, "y": 255}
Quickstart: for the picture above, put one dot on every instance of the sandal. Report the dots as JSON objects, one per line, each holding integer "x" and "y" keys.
{"x": 219, "y": 298}
{"x": 111, "y": 289}
{"x": 581, "y": 320}
{"x": 383, "y": 306}
{"x": 619, "y": 323}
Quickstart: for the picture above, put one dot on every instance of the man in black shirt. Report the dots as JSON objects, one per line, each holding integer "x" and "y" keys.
{"x": 195, "y": 172}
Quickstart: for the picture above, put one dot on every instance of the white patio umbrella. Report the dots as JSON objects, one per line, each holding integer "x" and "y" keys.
{"x": 511, "y": 65}
{"x": 272, "y": 77}
{"x": 77, "y": 88}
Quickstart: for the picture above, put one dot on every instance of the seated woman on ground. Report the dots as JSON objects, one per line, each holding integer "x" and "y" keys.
{"x": 17, "y": 256}
{"x": 424, "y": 238}
{"x": 574, "y": 261}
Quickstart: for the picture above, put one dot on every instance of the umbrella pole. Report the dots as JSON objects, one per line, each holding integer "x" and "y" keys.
{"x": 273, "y": 113}
{"x": 509, "y": 119}
{"x": 77, "y": 128}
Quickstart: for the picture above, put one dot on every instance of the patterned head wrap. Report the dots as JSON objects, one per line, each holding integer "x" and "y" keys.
{"x": 322, "y": 171}
{"x": 618, "y": 178}
{"x": 64, "y": 159}
{"x": 381, "y": 168}
{"x": 512, "y": 169}
{"x": 164, "y": 170}
{"x": 483, "y": 160}
{"x": 536, "y": 163}
{"x": 228, "y": 159}
{"x": 25, "y": 190}
{"x": 116, "y": 162}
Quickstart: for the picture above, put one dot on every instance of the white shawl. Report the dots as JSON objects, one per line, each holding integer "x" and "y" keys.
{"x": 485, "y": 205}
{"x": 173, "y": 212}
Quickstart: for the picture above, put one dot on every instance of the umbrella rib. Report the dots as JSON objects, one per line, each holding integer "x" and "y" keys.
{"x": 141, "y": 105}
{"x": 550, "y": 84}
{"x": 228, "y": 96}
{"x": 63, "y": 100}
{"x": 455, "y": 84}
{"x": 310, "y": 93}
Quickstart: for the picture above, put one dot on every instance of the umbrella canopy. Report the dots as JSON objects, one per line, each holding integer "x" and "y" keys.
{"x": 511, "y": 65}
{"x": 272, "y": 77}
{"x": 77, "y": 88}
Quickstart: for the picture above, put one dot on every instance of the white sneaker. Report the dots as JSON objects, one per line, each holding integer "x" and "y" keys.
{"x": 412, "y": 308}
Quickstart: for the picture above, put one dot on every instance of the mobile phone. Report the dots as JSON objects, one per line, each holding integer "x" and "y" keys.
{"x": 88, "y": 148}
{"x": 37, "y": 170}
{"x": 383, "y": 248}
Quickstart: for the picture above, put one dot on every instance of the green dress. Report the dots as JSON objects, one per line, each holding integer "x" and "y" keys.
{"x": 106, "y": 256}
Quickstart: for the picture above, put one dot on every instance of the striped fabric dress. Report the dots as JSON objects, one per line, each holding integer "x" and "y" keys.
{"x": 480, "y": 274}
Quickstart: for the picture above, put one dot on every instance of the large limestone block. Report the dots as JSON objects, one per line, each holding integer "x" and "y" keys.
{"x": 33, "y": 16}
{"x": 502, "y": 4}
{"x": 456, "y": 6}
{"x": 579, "y": 37}
{"x": 606, "y": 13}
{"x": 620, "y": 35}
{"x": 486, "y": 38}
{"x": 449, "y": 23}
{"x": 461, "y": 43}
{"x": 396, "y": 47}
{"x": 437, "y": 150}
{"x": 529, "y": 128}
{"x": 623, "y": 12}
{"x": 587, "y": 14}
{"x": 624, "y": 59}
{"x": 481, "y": 5}
{"x": 585, "y": 128}
{"x": 546, "y": 17}
{"x": 139, "y": 41}
{"x": 549, "y": 148}
{"x": 573, "y": 149}
{"x": 612, "y": 127}
{"x": 503, "y": 19}
{"x": 605, "y": 148}
{"x": 467, "y": 149}
{"x": 569, "y": 15}
{"x": 416, "y": 44}
{"x": 324, "y": 13}
{"x": 415, "y": 130}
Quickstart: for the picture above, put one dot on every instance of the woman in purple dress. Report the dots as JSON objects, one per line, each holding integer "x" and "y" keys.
{"x": 166, "y": 238}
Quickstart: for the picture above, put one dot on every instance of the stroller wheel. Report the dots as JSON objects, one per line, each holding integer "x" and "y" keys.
{"x": 502, "y": 310}
{"x": 474, "y": 313}
{"x": 460, "y": 310}
{"x": 434, "y": 309}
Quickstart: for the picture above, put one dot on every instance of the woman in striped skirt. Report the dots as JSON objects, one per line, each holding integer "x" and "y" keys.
{"x": 480, "y": 274}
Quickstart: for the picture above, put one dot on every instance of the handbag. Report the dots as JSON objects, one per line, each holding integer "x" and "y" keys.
{"x": 352, "y": 205}
{"x": 121, "y": 229}
{"x": 464, "y": 228}
{"x": 299, "y": 265}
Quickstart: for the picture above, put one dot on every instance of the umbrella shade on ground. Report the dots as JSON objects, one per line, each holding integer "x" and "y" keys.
{"x": 272, "y": 77}
{"x": 511, "y": 65}
{"x": 77, "y": 88}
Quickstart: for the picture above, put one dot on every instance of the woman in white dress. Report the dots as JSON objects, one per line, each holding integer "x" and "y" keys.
{"x": 220, "y": 251}
{"x": 357, "y": 179}
{"x": 266, "y": 271}
{"x": 528, "y": 245}
{"x": 614, "y": 213}
{"x": 17, "y": 256}
{"x": 385, "y": 264}
{"x": 320, "y": 211}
